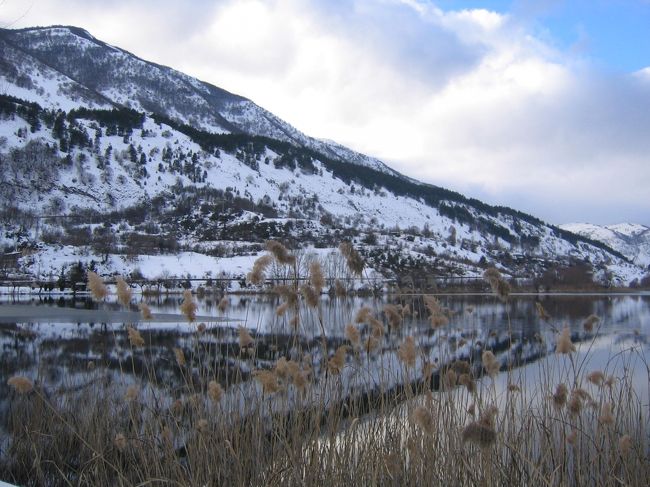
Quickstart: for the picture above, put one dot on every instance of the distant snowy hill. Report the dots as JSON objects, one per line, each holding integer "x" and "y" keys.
{"x": 106, "y": 157}
{"x": 630, "y": 239}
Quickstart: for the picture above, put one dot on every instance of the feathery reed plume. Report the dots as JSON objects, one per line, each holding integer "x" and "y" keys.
{"x": 499, "y": 285}
{"x": 560, "y": 396}
{"x": 180, "y": 357}
{"x": 316, "y": 277}
{"x": 363, "y": 315}
{"x": 393, "y": 315}
{"x": 438, "y": 314}
{"x": 177, "y": 407}
{"x": 339, "y": 289}
{"x": 449, "y": 379}
{"x": 467, "y": 381}
{"x": 606, "y": 417}
{"x": 202, "y": 426}
{"x": 97, "y": 286}
{"x": 427, "y": 371}
{"x": 625, "y": 444}
{"x": 21, "y": 384}
{"x": 461, "y": 367}
{"x": 490, "y": 363}
{"x": 589, "y": 322}
{"x": 513, "y": 387}
{"x": 124, "y": 292}
{"x": 223, "y": 304}
{"x": 189, "y": 306}
{"x": 256, "y": 275}
{"x": 575, "y": 404}
{"x": 310, "y": 295}
{"x": 132, "y": 393}
{"x": 482, "y": 432}
{"x": 268, "y": 380}
{"x": 167, "y": 437}
{"x": 376, "y": 327}
{"x": 294, "y": 322}
{"x": 407, "y": 352}
{"x": 610, "y": 381}
{"x": 353, "y": 335}
{"x": 563, "y": 344}
{"x": 135, "y": 338}
{"x": 245, "y": 338}
{"x": 352, "y": 258}
{"x": 288, "y": 293}
{"x": 120, "y": 441}
{"x": 337, "y": 362}
{"x": 280, "y": 252}
{"x": 424, "y": 419}
{"x": 282, "y": 309}
{"x": 541, "y": 312}
{"x": 596, "y": 377}
{"x": 215, "y": 391}
{"x": 201, "y": 327}
{"x": 145, "y": 311}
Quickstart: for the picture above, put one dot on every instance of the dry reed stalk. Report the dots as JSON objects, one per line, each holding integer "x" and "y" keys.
{"x": 97, "y": 286}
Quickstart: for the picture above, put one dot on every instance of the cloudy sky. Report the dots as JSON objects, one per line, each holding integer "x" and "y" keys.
{"x": 542, "y": 105}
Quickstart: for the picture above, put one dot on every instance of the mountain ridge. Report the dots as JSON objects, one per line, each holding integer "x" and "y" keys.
{"x": 164, "y": 177}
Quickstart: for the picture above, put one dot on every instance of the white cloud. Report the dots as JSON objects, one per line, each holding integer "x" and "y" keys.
{"x": 468, "y": 99}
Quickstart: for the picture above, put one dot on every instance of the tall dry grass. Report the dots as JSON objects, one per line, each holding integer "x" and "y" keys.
{"x": 296, "y": 422}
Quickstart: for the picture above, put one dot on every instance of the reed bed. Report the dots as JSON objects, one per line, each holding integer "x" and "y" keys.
{"x": 296, "y": 420}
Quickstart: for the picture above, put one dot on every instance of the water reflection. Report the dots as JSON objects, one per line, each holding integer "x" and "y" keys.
{"x": 53, "y": 348}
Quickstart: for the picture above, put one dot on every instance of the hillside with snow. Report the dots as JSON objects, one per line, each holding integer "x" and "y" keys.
{"x": 630, "y": 239}
{"x": 111, "y": 161}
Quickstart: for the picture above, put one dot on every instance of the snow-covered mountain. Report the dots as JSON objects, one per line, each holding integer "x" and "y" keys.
{"x": 105, "y": 156}
{"x": 630, "y": 239}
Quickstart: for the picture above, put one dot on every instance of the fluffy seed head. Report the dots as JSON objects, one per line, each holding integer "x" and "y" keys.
{"x": 124, "y": 292}
{"x": 245, "y": 338}
{"x": 393, "y": 315}
{"x": 589, "y": 323}
{"x": 316, "y": 277}
{"x": 268, "y": 380}
{"x": 353, "y": 335}
{"x": 146, "y": 311}
{"x": 120, "y": 441}
{"x": 564, "y": 344}
{"x": 21, "y": 384}
{"x": 606, "y": 417}
{"x": 280, "y": 252}
{"x": 97, "y": 286}
{"x": 625, "y": 444}
{"x": 560, "y": 396}
{"x": 135, "y": 338}
{"x": 424, "y": 419}
{"x": 180, "y": 357}
{"x": 408, "y": 351}
{"x": 337, "y": 362}
{"x": 596, "y": 377}
{"x": 215, "y": 391}
{"x": 256, "y": 276}
{"x": 132, "y": 393}
{"x": 339, "y": 289}
{"x": 223, "y": 304}
{"x": 353, "y": 258}
{"x": 490, "y": 363}
{"x": 310, "y": 295}
{"x": 480, "y": 434}
{"x": 541, "y": 312}
{"x": 188, "y": 306}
